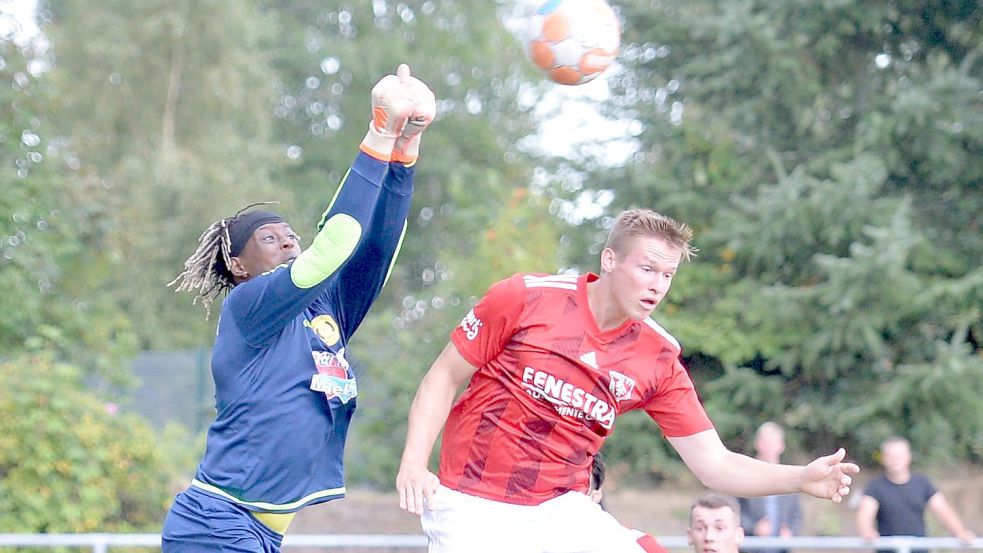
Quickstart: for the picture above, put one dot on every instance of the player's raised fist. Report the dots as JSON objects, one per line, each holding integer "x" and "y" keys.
{"x": 391, "y": 107}
{"x": 407, "y": 147}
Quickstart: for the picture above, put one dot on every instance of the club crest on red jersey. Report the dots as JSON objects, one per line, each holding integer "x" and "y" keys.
{"x": 621, "y": 386}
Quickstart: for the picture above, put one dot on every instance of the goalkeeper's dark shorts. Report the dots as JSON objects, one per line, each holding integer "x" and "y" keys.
{"x": 199, "y": 522}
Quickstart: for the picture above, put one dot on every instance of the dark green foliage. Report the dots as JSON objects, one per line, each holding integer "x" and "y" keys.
{"x": 828, "y": 154}
{"x": 46, "y": 264}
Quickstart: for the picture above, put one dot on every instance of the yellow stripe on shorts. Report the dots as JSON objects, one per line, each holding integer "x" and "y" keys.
{"x": 278, "y": 522}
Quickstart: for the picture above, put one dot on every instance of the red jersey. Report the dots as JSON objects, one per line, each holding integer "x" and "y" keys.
{"x": 549, "y": 386}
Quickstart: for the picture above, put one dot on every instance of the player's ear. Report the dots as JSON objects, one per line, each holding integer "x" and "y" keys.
{"x": 237, "y": 269}
{"x": 607, "y": 260}
{"x": 739, "y": 535}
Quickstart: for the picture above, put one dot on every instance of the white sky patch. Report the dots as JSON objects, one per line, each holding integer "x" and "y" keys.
{"x": 571, "y": 125}
{"x": 17, "y": 20}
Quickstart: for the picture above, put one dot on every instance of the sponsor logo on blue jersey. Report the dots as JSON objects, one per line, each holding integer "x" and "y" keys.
{"x": 332, "y": 376}
{"x": 326, "y": 328}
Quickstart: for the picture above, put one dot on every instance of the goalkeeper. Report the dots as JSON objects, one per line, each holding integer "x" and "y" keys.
{"x": 284, "y": 391}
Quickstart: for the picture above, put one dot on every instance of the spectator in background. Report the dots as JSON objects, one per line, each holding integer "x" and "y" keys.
{"x": 772, "y": 515}
{"x": 894, "y": 503}
{"x": 715, "y": 524}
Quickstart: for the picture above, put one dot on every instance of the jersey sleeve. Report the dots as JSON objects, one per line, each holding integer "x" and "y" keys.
{"x": 488, "y": 326}
{"x": 263, "y": 305}
{"x": 361, "y": 279}
{"x": 675, "y": 406}
{"x": 927, "y": 488}
{"x": 875, "y": 490}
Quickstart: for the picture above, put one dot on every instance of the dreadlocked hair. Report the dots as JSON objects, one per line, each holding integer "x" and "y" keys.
{"x": 207, "y": 270}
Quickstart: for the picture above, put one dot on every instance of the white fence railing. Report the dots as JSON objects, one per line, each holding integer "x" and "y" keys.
{"x": 101, "y": 543}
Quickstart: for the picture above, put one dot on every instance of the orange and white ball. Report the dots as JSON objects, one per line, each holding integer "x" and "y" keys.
{"x": 574, "y": 41}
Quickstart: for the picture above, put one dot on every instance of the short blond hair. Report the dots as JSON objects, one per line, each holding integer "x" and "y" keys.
{"x": 634, "y": 223}
{"x": 714, "y": 500}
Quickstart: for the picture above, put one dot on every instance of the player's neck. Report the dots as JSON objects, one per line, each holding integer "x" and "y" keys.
{"x": 603, "y": 306}
{"x": 899, "y": 478}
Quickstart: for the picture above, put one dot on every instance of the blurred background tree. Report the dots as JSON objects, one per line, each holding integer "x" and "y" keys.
{"x": 828, "y": 155}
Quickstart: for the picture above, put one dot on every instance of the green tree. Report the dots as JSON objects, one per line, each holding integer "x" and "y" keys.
{"x": 827, "y": 154}
{"x": 43, "y": 234}
{"x": 179, "y": 113}
{"x": 166, "y": 106}
{"x": 68, "y": 463}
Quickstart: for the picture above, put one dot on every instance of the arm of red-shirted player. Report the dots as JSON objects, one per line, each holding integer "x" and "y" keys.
{"x": 736, "y": 474}
{"x": 428, "y": 413}
{"x": 677, "y": 410}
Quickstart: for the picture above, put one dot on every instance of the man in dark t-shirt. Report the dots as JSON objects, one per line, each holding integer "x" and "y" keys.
{"x": 895, "y": 501}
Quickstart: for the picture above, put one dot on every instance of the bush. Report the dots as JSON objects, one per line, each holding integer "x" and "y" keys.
{"x": 70, "y": 462}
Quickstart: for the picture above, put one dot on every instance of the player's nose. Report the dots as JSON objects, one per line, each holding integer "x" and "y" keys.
{"x": 659, "y": 285}
{"x": 287, "y": 243}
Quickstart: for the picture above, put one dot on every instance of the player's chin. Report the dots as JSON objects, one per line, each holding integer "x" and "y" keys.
{"x": 644, "y": 310}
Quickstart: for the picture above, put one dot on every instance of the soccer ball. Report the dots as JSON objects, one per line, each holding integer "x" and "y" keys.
{"x": 573, "y": 40}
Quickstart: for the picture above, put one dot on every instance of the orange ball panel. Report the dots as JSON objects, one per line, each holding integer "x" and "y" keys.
{"x": 541, "y": 54}
{"x": 565, "y": 75}
{"x": 556, "y": 27}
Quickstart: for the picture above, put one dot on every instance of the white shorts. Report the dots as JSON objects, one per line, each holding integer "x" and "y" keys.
{"x": 571, "y": 523}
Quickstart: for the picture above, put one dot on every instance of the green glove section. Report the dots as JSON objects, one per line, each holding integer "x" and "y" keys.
{"x": 332, "y": 246}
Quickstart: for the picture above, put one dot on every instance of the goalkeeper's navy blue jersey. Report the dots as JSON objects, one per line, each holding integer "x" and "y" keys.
{"x": 285, "y": 393}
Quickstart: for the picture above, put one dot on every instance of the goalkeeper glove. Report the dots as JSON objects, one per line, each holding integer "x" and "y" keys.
{"x": 407, "y": 147}
{"x": 391, "y": 107}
